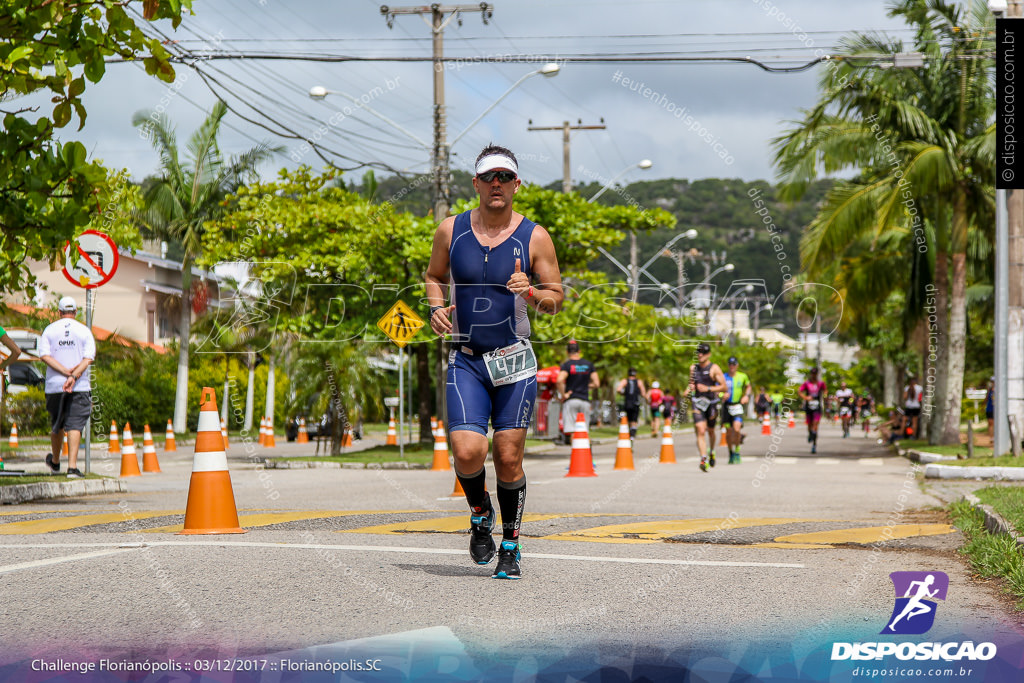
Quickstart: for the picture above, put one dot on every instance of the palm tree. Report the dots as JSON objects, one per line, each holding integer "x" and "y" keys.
{"x": 923, "y": 145}
{"x": 188, "y": 193}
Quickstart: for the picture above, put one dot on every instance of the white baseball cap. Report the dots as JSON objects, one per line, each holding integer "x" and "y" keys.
{"x": 655, "y": 385}
{"x": 67, "y": 304}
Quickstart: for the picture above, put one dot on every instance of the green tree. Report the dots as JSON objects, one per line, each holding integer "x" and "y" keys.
{"x": 190, "y": 192}
{"x": 922, "y": 142}
{"x": 50, "y": 190}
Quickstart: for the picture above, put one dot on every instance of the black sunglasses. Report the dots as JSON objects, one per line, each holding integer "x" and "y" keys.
{"x": 502, "y": 176}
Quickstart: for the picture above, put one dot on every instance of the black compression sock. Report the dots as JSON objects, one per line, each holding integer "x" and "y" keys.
{"x": 475, "y": 487}
{"x": 511, "y": 499}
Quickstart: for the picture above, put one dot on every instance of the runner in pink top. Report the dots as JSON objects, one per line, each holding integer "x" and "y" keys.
{"x": 814, "y": 393}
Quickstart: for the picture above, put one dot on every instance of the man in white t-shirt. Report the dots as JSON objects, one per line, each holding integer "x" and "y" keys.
{"x": 912, "y": 395}
{"x": 68, "y": 348}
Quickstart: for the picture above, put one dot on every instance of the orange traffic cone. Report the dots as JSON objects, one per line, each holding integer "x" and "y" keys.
{"x": 346, "y": 438}
{"x": 263, "y": 431}
{"x": 723, "y": 441}
{"x": 624, "y": 447}
{"x": 392, "y": 439}
{"x": 149, "y": 461}
{"x": 458, "y": 490}
{"x": 211, "y": 501}
{"x": 170, "y": 446}
{"x": 668, "y": 448}
{"x": 433, "y": 425}
{"x": 581, "y": 460}
{"x": 224, "y": 432}
{"x": 13, "y": 441}
{"x": 766, "y": 425}
{"x": 303, "y": 436}
{"x": 113, "y": 443}
{"x": 129, "y": 460}
{"x": 268, "y": 440}
{"x": 792, "y": 421}
{"x": 441, "y": 463}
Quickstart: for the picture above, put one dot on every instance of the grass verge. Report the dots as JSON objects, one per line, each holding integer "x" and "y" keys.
{"x": 35, "y": 479}
{"x": 990, "y": 555}
{"x": 1008, "y": 501}
{"x": 959, "y": 450}
{"x": 414, "y": 453}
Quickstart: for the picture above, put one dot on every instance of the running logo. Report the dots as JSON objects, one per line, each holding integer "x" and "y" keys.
{"x": 916, "y": 592}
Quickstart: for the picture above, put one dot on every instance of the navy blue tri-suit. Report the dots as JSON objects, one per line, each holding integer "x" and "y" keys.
{"x": 487, "y": 316}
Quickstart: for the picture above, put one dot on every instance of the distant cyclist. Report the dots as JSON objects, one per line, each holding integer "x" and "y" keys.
{"x": 845, "y": 396}
{"x": 633, "y": 392}
{"x": 814, "y": 394}
{"x": 706, "y": 380}
{"x": 737, "y": 396}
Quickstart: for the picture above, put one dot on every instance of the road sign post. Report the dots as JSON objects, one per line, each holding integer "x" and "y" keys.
{"x": 90, "y": 264}
{"x": 400, "y": 324}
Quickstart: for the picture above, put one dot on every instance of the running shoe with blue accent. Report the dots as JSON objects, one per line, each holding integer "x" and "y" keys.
{"x": 508, "y": 561}
{"x": 481, "y": 544}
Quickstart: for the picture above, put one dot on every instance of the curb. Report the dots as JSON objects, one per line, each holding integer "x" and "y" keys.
{"x": 994, "y": 522}
{"x": 934, "y": 471}
{"x": 313, "y": 465}
{"x": 24, "y": 493}
{"x": 926, "y": 457}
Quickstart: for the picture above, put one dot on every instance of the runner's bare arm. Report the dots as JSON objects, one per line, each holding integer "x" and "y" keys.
{"x": 547, "y": 295}
{"x": 718, "y": 376}
{"x": 436, "y": 277}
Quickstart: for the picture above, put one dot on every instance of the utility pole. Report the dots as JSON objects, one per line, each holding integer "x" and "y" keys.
{"x": 1014, "y": 388}
{"x": 439, "y": 156}
{"x": 437, "y": 24}
{"x": 566, "y": 128}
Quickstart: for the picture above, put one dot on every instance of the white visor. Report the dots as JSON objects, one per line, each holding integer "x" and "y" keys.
{"x": 493, "y": 161}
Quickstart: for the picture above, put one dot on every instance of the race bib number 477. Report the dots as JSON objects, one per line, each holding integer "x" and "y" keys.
{"x": 511, "y": 364}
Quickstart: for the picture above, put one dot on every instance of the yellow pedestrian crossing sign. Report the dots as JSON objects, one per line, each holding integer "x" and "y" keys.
{"x": 400, "y": 323}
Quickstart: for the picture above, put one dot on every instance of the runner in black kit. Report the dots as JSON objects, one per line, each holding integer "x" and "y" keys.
{"x": 706, "y": 381}
{"x": 633, "y": 392}
{"x": 489, "y": 256}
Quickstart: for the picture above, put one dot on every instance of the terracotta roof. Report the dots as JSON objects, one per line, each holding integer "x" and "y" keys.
{"x": 100, "y": 333}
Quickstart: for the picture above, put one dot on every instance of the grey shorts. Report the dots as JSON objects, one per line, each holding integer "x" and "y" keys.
{"x": 69, "y": 412}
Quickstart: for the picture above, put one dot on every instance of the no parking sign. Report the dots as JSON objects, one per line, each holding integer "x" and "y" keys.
{"x": 93, "y": 262}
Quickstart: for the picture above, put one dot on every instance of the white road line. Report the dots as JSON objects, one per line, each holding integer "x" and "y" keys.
{"x": 826, "y": 461}
{"x": 58, "y": 560}
{"x": 873, "y": 462}
{"x": 124, "y": 547}
{"x": 785, "y": 461}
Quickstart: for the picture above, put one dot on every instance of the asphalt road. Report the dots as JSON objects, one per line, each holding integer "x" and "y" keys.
{"x": 663, "y": 563}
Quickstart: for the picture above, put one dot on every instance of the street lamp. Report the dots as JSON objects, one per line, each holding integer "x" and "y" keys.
{"x": 318, "y": 92}
{"x": 643, "y": 165}
{"x": 548, "y": 70}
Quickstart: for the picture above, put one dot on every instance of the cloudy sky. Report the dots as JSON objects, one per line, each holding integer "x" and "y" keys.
{"x": 732, "y": 109}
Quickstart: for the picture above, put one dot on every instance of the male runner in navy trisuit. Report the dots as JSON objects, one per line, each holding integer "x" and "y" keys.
{"x": 489, "y": 256}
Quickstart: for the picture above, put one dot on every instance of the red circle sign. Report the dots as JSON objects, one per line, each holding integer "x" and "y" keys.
{"x": 93, "y": 262}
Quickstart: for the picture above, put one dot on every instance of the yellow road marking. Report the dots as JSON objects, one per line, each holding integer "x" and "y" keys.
{"x": 269, "y": 518}
{"x": 459, "y": 523}
{"x": 653, "y": 532}
{"x": 45, "y": 526}
{"x": 866, "y": 535}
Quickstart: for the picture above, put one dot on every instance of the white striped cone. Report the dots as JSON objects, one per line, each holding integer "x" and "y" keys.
{"x": 169, "y": 444}
{"x": 13, "y": 441}
{"x": 129, "y": 459}
{"x": 211, "y": 502}
{"x": 433, "y": 426}
{"x": 149, "y": 459}
{"x": 303, "y": 436}
{"x": 392, "y": 439}
{"x": 581, "y": 458}
{"x": 263, "y": 431}
{"x": 668, "y": 449}
{"x": 624, "y": 447}
{"x": 224, "y": 432}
